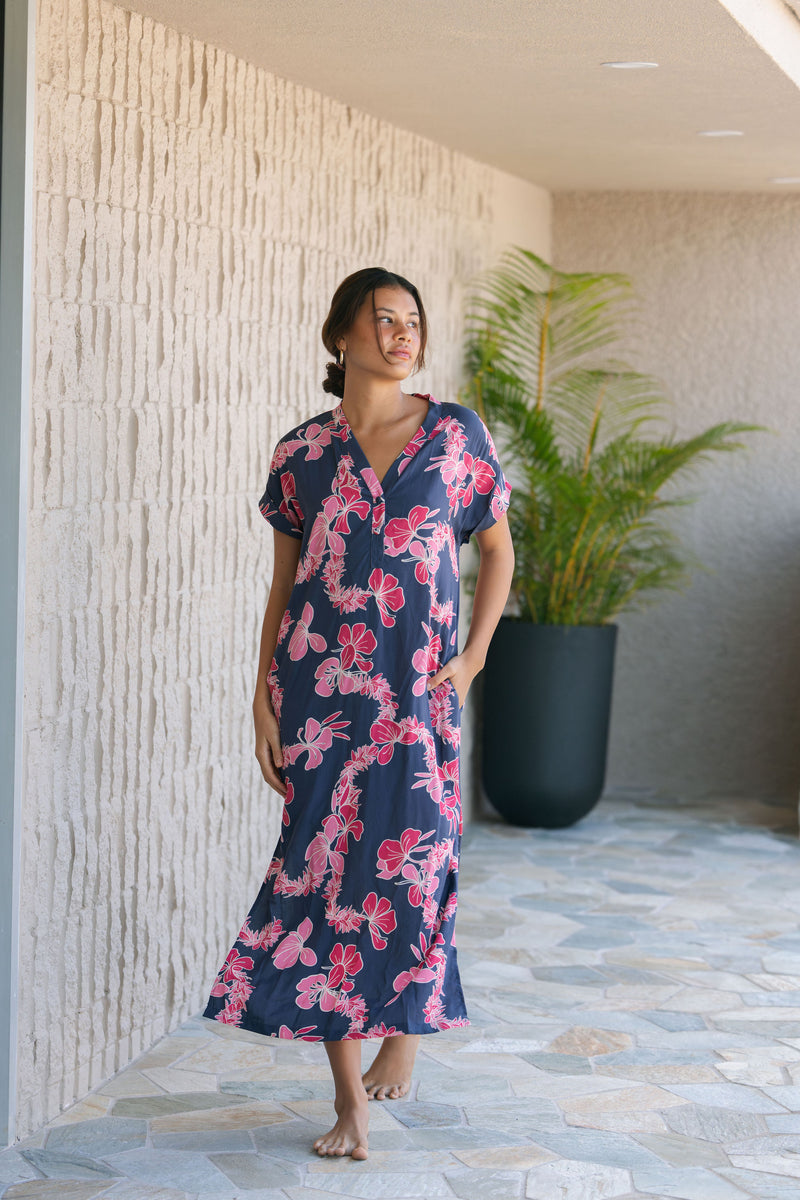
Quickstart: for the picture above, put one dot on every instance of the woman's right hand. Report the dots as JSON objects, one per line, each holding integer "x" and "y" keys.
{"x": 268, "y": 744}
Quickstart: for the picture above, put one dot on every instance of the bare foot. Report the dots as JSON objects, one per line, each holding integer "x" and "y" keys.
{"x": 349, "y": 1134}
{"x": 389, "y": 1077}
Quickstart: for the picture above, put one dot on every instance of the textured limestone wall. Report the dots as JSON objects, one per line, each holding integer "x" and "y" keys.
{"x": 193, "y": 215}
{"x": 708, "y": 687}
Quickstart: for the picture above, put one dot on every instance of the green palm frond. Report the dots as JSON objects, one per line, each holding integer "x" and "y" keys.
{"x": 585, "y": 439}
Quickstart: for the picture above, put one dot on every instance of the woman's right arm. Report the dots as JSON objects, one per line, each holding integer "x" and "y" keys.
{"x": 268, "y": 738}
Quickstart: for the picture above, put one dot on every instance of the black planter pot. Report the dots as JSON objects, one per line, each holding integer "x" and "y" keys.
{"x": 546, "y": 709}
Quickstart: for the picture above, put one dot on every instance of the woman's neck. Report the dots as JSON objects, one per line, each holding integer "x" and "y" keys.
{"x": 373, "y": 402}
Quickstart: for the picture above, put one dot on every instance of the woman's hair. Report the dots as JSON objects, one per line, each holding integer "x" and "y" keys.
{"x": 345, "y": 306}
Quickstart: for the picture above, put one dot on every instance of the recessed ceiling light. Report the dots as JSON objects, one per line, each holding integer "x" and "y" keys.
{"x": 720, "y": 133}
{"x": 629, "y": 66}
{"x": 786, "y": 179}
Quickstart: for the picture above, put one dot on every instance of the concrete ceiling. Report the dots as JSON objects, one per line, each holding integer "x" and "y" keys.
{"x": 519, "y": 83}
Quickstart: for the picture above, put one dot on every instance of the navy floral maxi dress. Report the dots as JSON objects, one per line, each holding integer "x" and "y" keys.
{"x": 351, "y": 934}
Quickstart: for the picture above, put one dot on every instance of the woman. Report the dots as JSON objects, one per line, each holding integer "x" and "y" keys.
{"x": 357, "y": 707}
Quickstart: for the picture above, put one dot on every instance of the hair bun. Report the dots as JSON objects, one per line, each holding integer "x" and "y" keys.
{"x": 334, "y": 383}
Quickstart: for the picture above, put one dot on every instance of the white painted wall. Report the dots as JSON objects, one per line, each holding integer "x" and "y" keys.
{"x": 708, "y": 686}
{"x": 193, "y": 215}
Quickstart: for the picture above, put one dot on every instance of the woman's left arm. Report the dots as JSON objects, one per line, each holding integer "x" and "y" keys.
{"x": 491, "y": 593}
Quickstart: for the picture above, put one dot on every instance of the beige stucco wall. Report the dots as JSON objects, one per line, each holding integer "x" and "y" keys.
{"x": 192, "y": 217}
{"x": 708, "y": 686}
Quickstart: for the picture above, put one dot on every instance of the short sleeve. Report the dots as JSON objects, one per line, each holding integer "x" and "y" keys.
{"x": 486, "y": 492}
{"x": 280, "y": 504}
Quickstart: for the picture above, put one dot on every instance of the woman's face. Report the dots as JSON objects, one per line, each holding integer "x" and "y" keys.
{"x": 384, "y": 340}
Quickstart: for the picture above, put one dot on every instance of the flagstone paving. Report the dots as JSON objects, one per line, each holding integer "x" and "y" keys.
{"x": 634, "y": 990}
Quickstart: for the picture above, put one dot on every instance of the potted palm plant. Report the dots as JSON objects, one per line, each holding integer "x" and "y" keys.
{"x": 593, "y": 467}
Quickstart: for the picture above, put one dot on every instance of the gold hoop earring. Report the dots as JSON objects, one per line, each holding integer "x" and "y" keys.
{"x": 340, "y": 357}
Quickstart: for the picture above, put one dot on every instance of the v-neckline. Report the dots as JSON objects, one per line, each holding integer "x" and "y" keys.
{"x": 382, "y": 483}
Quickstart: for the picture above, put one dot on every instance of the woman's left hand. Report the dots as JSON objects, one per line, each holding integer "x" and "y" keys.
{"x": 461, "y": 669}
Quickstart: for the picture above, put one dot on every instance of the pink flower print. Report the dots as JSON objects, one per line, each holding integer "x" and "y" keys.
{"x": 372, "y": 482}
{"x": 261, "y": 939}
{"x": 283, "y": 628}
{"x": 300, "y": 1035}
{"x": 316, "y": 437}
{"x": 357, "y": 642}
{"x": 302, "y": 637}
{"x": 388, "y": 595}
{"x": 349, "y": 501}
{"x": 235, "y": 966}
{"x": 442, "y": 614}
{"x": 287, "y": 800}
{"x": 440, "y": 701}
{"x": 479, "y": 474}
{"x": 387, "y": 734}
{"x": 279, "y": 457}
{"x": 290, "y": 505}
{"x": 320, "y": 853}
{"x": 314, "y": 990}
{"x": 500, "y": 502}
{"x": 380, "y": 919}
{"x": 401, "y": 531}
{"x": 327, "y": 676}
{"x": 346, "y": 961}
{"x": 426, "y": 660}
{"x": 378, "y": 516}
{"x": 316, "y": 738}
{"x": 293, "y": 947}
{"x": 411, "y": 449}
{"x": 423, "y": 972}
{"x": 382, "y": 1031}
{"x": 392, "y": 855}
{"x": 228, "y": 1015}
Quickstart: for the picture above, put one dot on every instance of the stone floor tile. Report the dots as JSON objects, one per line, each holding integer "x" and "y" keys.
{"x": 511, "y": 1158}
{"x": 159, "y": 1106}
{"x": 413, "y": 1115}
{"x": 169, "y": 1050}
{"x": 44, "y": 1189}
{"x": 388, "y": 1162}
{"x": 571, "y": 1180}
{"x": 783, "y": 1123}
{"x": 61, "y": 1164}
{"x": 231, "y": 1140}
{"x": 14, "y": 1168}
{"x": 728, "y": 1095}
{"x": 125, "y": 1190}
{"x": 170, "y": 1168}
{"x": 673, "y": 1021}
{"x": 485, "y": 1184}
{"x": 175, "y": 1079}
{"x": 618, "y": 1122}
{"x": 93, "y": 1106}
{"x": 596, "y": 1146}
{"x": 220, "y": 1055}
{"x": 773, "y": 1164}
{"x": 633, "y": 1099}
{"x": 237, "y": 1116}
{"x": 687, "y": 1183}
{"x": 589, "y": 1043}
{"x": 280, "y": 1091}
{"x": 760, "y": 1184}
{"x": 680, "y": 1151}
{"x": 252, "y": 1171}
{"x": 349, "y": 1181}
{"x": 718, "y": 1125}
{"x": 97, "y": 1138}
{"x": 130, "y": 1083}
